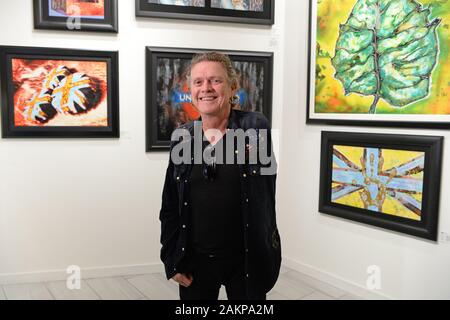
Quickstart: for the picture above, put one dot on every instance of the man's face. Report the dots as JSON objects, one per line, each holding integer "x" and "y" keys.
{"x": 210, "y": 88}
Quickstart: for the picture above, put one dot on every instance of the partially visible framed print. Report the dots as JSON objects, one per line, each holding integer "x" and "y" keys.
{"x": 378, "y": 63}
{"x": 168, "y": 95}
{"x": 240, "y": 11}
{"x": 47, "y": 92}
{"x": 76, "y": 15}
{"x": 389, "y": 181}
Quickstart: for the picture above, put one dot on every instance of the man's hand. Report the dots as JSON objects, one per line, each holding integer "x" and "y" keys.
{"x": 183, "y": 279}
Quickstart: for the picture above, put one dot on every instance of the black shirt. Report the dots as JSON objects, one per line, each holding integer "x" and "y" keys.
{"x": 216, "y": 219}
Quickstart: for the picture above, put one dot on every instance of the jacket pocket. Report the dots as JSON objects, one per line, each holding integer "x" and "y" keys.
{"x": 275, "y": 239}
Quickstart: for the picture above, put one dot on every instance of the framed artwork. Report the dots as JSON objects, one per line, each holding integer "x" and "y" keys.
{"x": 241, "y": 11}
{"x": 168, "y": 95}
{"x": 76, "y": 15}
{"x": 47, "y": 92}
{"x": 389, "y": 181}
{"x": 379, "y": 63}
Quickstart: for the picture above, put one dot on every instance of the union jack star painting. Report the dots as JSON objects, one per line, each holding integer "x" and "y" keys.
{"x": 64, "y": 93}
{"x": 380, "y": 180}
{"x": 390, "y": 181}
{"x": 52, "y": 92}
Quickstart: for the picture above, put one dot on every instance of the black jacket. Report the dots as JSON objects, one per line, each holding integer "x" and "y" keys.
{"x": 262, "y": 241}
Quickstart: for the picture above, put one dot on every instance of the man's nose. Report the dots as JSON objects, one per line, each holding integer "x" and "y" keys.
{"x": 206, "y": 86}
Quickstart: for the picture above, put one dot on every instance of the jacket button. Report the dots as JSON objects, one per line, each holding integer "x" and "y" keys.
{"x": 184, "y": 226}
{"x": 247, "y": 275}
{"x": 182, "y": 249}
{"x": 246, "y": 200}
{"x": 244, "y": 175}
{"x": 185, "y": 204}
{"x": 254, "y": 171}
{"x": 236, "y": 151}
{"x": 185, "y": 181}
{"x": 178, "y": 178}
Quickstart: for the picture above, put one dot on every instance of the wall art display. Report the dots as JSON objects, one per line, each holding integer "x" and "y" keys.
{"x": 380, "y": 63}
{"x": 241, "y": 11}
{"x": 50, "y": 92}
{"x": 168, "y": 95}
{"x": 76, "y": 15}
{"x": 243, "y": 5}
{"x": 389, "y": 181}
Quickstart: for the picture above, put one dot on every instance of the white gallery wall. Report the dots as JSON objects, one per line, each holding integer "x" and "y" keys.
{"x": 95, "y": 202}
{"x": 335, "y": 249}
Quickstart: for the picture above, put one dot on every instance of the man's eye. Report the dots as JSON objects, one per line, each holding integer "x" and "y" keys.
{"x": 197, "y": 83}
{"x": 217, "y": 81}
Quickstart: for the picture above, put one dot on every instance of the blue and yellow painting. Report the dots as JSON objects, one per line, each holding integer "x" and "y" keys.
{"x": 381, "y": 180}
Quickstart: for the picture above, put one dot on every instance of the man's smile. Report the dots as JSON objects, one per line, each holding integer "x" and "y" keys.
{"x": 208, "y": 98}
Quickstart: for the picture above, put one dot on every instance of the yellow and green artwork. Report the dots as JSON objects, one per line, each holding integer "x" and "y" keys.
{"x": 380, "y": 180}
{"x": 380, "y": 60}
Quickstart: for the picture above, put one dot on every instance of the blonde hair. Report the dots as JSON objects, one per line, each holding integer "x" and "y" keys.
{"x": 221, "y": 58}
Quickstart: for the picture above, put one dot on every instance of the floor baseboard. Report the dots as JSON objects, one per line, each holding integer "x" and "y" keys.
{"x": 128, "y": 270}
{"x": 86, "y": 273}
{"x": 351, "y": 287}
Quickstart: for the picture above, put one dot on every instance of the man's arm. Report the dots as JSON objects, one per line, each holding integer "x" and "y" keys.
{"x": 170, "y": 222}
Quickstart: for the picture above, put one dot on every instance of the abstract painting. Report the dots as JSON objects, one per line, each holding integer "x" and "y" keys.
{"x": 381, "y": 62}
{"x": 170, "y": 100}
{"x": 56, "y": 91}
{"x": 94, "y": 9}
{"x": 382, "y": 180}
{"x": 60, "y": 93}
{"x": 390, "y": 181}
{"x": 239, "y": 11}
{"x": 76, "y": 15}
{"x": 183, "y": 3}
{"x": 243, "y": 5}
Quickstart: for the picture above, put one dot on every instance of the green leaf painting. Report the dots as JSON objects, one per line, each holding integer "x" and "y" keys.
{"x": 387, "y": 49}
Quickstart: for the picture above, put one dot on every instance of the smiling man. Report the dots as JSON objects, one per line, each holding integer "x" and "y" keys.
{"x": 218, "y": 224}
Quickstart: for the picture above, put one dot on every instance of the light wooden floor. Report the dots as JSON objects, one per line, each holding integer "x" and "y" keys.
{"x": 291, "y": 285}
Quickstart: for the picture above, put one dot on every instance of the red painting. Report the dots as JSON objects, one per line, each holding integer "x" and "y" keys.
{"x": 60, "y": 93}
{"x": 79, "y": 8}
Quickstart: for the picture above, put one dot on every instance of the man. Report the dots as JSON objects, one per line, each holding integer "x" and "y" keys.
{"x": 218, "y": 224}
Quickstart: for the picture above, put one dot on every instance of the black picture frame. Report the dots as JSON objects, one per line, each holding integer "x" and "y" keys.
{"x": 403, "y": 118}
{"x": 97, "y": 118}
{"x": 207, "y": 13}
{"x": 388, "y": 186}
{"x": 158, "y": 126}
{"x": 43, "y": 19}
